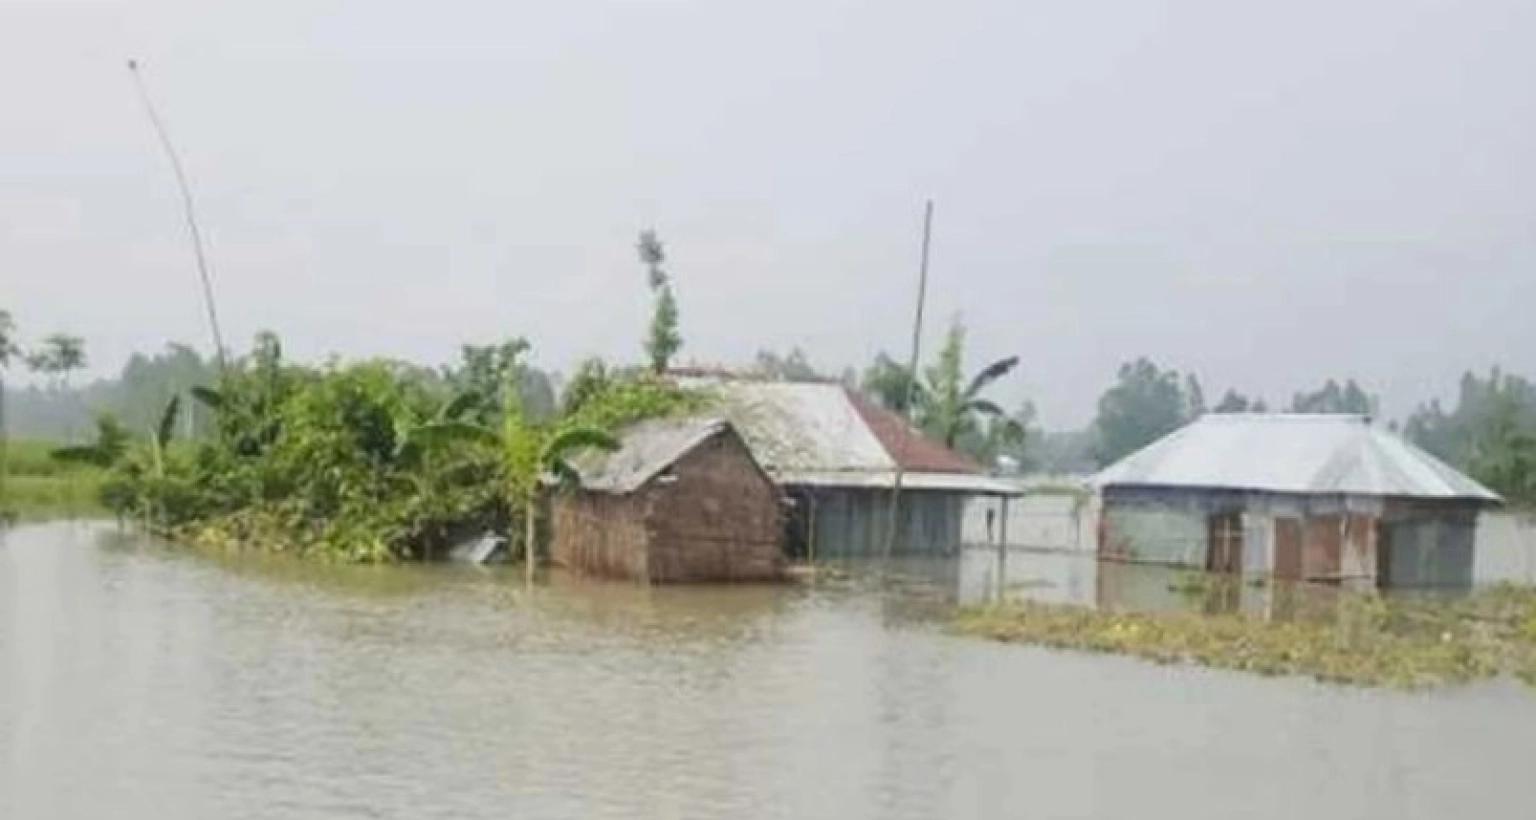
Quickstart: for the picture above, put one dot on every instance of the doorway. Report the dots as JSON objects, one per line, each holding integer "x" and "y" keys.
{"x": 1224, "y": 551}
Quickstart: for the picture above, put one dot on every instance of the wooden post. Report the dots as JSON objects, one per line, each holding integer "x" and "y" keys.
{"x": 810, "y": 528}
{"x": 892, "y": 519}
{"x": 1002, "y": 553}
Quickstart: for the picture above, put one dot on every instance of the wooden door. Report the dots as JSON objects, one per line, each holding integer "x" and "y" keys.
{"x": 1288, "y": 549}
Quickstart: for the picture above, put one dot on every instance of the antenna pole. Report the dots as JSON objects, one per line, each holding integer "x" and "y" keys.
{"x": 187, "y": 208}
{"x": 893, "y": 518}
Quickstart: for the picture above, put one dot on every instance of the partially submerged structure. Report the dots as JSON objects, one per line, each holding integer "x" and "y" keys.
{"x": 679, "y": 501}
{"x": 1330, "y": 498}
{"x": 835, "y": 454}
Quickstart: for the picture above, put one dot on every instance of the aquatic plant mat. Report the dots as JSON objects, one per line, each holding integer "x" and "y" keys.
{"x": 1366, "y": 639}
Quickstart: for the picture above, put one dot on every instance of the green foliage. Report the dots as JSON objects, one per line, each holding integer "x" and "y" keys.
{"x": 793, "y": 367}
{"x": 1335, "y": 398}
{"x": 109, "y": 447}
{"x": 9, "y": 348}
{"x": 890, "y": 383}
{"x": 1491, "y": 433}
{"x": 1350, "y": 638}
{"x": 367, "y": 461}
{"x": 623, "y": 401}
{"x": 40, "y": 485}
{"x": 948, "y": 407}
{"x": 1235, "y": 402}
{"x": 1145, "y": 404}
{"x": 663, "y": 340}
{"x": 59, "y": 355}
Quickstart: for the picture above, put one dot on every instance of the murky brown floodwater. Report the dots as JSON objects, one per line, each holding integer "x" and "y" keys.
{"x": 138, "y": 682}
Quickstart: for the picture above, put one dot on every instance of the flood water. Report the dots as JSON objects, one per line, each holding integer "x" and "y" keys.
{"x": 144, "y": 682}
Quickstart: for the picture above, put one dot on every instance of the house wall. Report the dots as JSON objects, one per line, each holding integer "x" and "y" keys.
{"x": 852, "y": 523}
{"x": 1504, "y": 548}
{"x": 1355, "y": 541}
{"x": 1054, "y": 521}
{"x": 600, "y": 533}
{"x": 716, "y": 518}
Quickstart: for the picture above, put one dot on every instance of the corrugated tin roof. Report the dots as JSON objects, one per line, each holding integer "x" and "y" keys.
{"x": 915, "y": 452}
{"x": 1292, "y": 453}
{"x": 645, "y": 450}
{"x": 818, "y": 434}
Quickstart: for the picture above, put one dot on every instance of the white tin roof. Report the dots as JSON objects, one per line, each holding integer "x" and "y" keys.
{"x": 1292, "y": 453}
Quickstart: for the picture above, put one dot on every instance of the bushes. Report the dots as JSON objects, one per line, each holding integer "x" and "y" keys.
{"x": 341, "y": 461}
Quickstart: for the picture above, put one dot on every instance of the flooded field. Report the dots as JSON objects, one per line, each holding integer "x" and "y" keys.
{"x": 141, "y": 682}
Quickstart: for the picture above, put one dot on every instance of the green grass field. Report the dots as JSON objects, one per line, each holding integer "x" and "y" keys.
{"x": 37, "y": 486}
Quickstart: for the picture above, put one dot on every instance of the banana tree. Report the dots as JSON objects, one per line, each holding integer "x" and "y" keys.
{"x": 143, "y": 466}
{"x": 527, "y": 455}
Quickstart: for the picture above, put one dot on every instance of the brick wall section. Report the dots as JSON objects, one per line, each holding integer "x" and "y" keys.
{"x": 717, "y": 518}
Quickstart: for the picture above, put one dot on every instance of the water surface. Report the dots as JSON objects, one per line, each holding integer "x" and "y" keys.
{"x": 143, "y": 682}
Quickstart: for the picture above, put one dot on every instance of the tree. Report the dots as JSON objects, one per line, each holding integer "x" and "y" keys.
{"x": 1504, "y": 451}
{"x": 1145, "y": 404}
{"x": 1000, "y": 437}
{"x": 1490, "y": 433}
{"x": 1335, "y": 398}
{"x": 524, "y": 454}
{"x": 1235, "y": 402}
{"x": 948, "y": 405}
{"x": 1194, "y": 398}
{"x": 890, "y": 384}
{"x": 57, "y": 357}
{"x": 8, "y": 351}
{"x": 663, "y": 341}
{"x": 591, "y": 379}
{"x": 793, "y": 367}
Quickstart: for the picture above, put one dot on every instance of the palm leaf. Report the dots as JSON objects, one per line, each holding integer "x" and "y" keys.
{"x": 576, "y": 438}
{"x": 167, "y": 426}
{"x": 210, "y": 398}
{"x": 457, "y": 406}
{"x": 566, "y": 476}
{"x": 442, "y": 433}
{"x": 989, "y": 374}
{"x": 986, "y": 407}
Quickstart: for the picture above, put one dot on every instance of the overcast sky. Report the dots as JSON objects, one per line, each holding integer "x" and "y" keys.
{"x": 1267, "y": 194}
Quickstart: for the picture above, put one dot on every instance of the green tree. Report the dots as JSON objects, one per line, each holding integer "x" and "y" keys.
{"x": 890, "y": 383}
{"x": 1145, "y": 404}
{"x": 591, "y": 379}
{"x": 999, "y": 437}
{"x": 1333, "y": 397}
{"x": 949, "y": 405}
{"x": 663, "y": 340}
{"x": 793, "y": 367}
{"x": 1235, "y": 402}
{"x": 1504, "y": 450}
{"x": 1489, "y": 432}
{"x": 524, "y": 454}
{"x": 9, "y": 350}
{"x": 59, "y": 356}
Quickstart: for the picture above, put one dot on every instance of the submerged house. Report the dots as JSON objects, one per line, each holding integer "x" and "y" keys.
{"x": 834, "y": 453}
{"x": 1328, "y": 498}
{"x": 679, "y": 501}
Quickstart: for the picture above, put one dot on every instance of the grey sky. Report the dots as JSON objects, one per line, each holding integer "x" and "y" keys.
{"x": 1266, "y": 194}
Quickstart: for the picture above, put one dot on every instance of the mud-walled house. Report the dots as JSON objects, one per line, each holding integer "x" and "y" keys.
{"x": 1324, "y": 498}
{"x": 679, "y": 501}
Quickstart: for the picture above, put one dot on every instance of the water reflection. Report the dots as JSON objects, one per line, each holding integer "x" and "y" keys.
{"x": 144, "y": 682}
